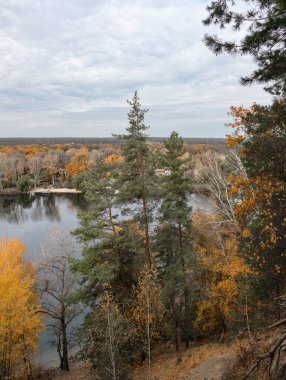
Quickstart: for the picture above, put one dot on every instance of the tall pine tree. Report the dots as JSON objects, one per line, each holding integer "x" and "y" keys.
{"x": 173, "y": 236}
{"x": 137, "y": 179}
{"x": 110, "y": 246}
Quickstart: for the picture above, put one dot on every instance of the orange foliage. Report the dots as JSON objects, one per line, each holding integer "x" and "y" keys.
{"x": 79, "y": 161}
{"x": 32, "y": 149}
{"x": 113, "y": 159}
{"x": 222, "y": 268}
{"x": 7, "y": 149}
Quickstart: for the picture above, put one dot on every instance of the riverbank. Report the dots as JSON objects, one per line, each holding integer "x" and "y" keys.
{"x": 54, "y": 190}
{"x": 40, "y": 190}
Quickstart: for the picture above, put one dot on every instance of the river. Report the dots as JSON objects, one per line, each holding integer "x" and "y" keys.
{"x": 30, "y": 218}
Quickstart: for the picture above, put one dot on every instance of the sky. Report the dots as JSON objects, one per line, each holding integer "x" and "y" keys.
{"x": 67, "y": 68}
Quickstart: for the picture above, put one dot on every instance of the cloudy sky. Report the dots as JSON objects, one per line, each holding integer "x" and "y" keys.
{"x": 68, "y": 66}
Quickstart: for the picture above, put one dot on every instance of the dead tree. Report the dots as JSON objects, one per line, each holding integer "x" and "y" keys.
{"x": 56, "y": 285}
{"x": 276, "y": 366}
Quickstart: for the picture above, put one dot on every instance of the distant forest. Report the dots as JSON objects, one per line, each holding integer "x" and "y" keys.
{"x": 98, "y": 140}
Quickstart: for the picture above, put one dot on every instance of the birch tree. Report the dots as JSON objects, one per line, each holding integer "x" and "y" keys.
{"x": 148, "y": 309}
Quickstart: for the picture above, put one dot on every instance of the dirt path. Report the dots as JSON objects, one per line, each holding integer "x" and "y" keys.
{"x": 78, "y": 371}
{"x": 213, "y": 367}
{"x": 204, "y": 362}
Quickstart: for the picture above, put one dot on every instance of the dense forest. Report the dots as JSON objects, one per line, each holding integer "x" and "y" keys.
{"x": 155, "y": 276}
{"x": 27, "y": 167}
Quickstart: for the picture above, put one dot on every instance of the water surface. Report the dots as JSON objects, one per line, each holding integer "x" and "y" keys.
{"x": 30, "y": 217}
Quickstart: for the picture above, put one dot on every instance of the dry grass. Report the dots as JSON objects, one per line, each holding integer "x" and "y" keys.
{"x": 78, "y": 371}
{"x": 182, "y": 366}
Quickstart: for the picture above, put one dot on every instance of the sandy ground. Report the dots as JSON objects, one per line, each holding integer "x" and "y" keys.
{"x": 49, "y": 190}
{"x": 78, "y": 371}
{"x": 209, "y": 361}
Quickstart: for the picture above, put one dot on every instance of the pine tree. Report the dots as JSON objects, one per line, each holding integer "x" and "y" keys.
{"x": 111, "y": 247}
{"x": 137, "y": 179}
{"x": 264, "y": 39}
{"x": 173, "y": 236}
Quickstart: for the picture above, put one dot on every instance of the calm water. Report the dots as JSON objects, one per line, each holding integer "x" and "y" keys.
{"x": 30, "y": 217}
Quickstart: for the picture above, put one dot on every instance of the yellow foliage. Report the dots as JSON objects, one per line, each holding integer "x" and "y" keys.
{"x": 20, "y": 322}
{"x": 184, "y": 156}
{"x": 113, "y": 159}
{"x": 74, "y": 168}
{"x": 221, "y": 270}
{"x": 147, "y": 310}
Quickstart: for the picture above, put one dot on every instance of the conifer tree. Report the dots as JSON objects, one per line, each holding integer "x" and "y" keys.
{"x": 173, "y": 236}
{"x": 264, "y": 38}
{"x": 137, "y": 178}
{"x": 111, "y": 247}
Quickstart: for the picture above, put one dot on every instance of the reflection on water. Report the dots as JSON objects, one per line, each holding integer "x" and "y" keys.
{"x": 30, "y": 217}
{"x": 36, "y": 207}
{"x": 13, "y": 208}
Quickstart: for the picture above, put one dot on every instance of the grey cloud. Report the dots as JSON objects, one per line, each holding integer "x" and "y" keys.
{"x": 67, "y": 68}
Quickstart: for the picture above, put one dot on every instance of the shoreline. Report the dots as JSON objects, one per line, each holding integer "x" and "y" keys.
{"x": 40, "y": 190}
{"x": 52, "y": 190}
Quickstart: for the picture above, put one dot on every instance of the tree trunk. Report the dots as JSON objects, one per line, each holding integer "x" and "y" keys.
{"x": 174, "y": 323}
{"x": 186, "y": 292}
{"x": 187, "y": 318}
{"x": 65, "y": 363}
{"x": 146, "y": 225}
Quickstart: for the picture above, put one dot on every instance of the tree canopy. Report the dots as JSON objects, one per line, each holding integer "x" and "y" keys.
{"x": 264, "y": 38}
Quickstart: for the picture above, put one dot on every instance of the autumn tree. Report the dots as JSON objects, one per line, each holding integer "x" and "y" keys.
{"x": 220, "y": 177}
{"x": 57, "y": 285}
{"x": 105, "y": 341}
{"x": 222, "y": 276}
{"x": 137, "y": 181}
{"x": 20, "y": 321}
{"x": 148, "y": 309}
{"x": 173, "y": 240}
{"x": 260, "y": 135}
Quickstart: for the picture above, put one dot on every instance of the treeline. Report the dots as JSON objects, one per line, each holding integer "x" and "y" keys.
{"x": 8, "y": 141}
{"x": 25, "y": 167}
